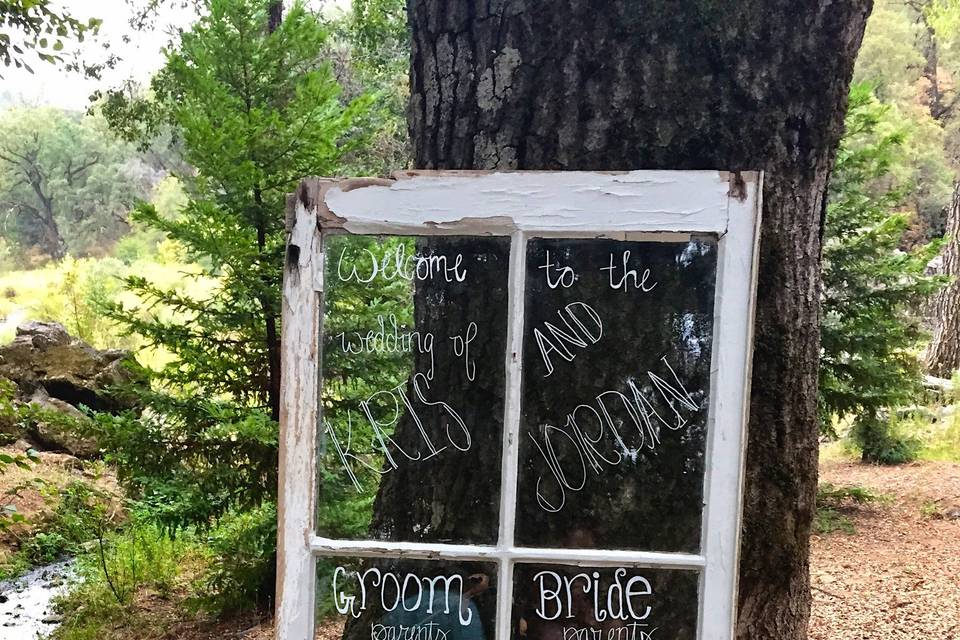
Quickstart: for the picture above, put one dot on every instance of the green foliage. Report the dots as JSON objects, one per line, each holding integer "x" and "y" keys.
{"x": 936, "y": 432}
{"x": 372, "y": 44}
{"x": 930, "y": 509}
{"x": 9, "y": 409}
{"x": 122, "y": 564}
{"x": 38, "y": 26}
{"x": 255, "y": 111}
{"x": 870, "y": 287}
{"x": 832, "y": 496}
{"x": 889, "y": 57}
{"x": 378, "y": 32}
{"x": 833, "y": 504}
{"x": 944, "y": 442}
{"x": 10, "y": 415}
{"x": 65, "y": 183}
{"x": 242, "y": 560}
{"x": 909, "y": 57}
{"x": 944, "y": 17}
{"x": 81, "y": 513}
{"x": 205, "y": 459}
{"x": 67, "y": 292}
{"x": 881, "y": 440}
{"x": 147, "y": 243}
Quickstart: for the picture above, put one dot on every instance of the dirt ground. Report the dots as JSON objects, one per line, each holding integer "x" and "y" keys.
{"x": 898, "y": 576}
{"x": 35, "y": 502}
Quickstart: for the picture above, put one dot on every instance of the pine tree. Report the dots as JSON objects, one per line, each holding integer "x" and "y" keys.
{"x": 255, "y": 109}
{"x": 870, "y": 335}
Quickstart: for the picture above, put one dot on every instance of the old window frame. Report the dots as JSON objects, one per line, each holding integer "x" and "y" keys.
{"x": 636, "y": 205}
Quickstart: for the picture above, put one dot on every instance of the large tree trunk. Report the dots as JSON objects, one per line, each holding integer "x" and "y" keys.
{"x": 943, "y": 354}
{"x": 693, "y": 85}
{"x": 51, "y": 241}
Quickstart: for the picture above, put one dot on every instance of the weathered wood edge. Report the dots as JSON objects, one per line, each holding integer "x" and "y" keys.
{"x": 496, "y": 222}
{"x": 299, "y": 407}
{"x": 731, "y": 373}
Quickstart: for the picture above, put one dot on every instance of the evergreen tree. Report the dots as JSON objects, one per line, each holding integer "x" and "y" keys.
{"x": 255, "y": 109}
{"x": 870, "y": 336}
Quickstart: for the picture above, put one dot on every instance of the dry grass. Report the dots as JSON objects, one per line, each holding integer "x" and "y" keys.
{"x": 896, "y": 577}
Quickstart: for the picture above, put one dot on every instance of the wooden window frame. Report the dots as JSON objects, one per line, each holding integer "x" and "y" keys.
{"x": 636, "y": 205}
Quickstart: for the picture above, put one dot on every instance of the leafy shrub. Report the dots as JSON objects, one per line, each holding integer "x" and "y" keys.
{"x": 82, "y": 513}
{"x": 882, "y": 441}
{"x": 833, "y": 501}
{"x": 243, "y": 549}
{"x": 10, "y": 417}
{"x": 118, "y": 567}
{"x": 832, "y": 496}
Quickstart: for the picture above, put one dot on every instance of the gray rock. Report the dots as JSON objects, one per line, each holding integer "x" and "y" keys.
{"x": 56, "y": 372}
{"x": 44, "y": 355}
{"x": 56, "y": 434}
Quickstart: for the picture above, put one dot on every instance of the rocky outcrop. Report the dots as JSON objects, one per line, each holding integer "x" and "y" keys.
{"x": 58, "y": 426}
{"x": 57, "y": 375}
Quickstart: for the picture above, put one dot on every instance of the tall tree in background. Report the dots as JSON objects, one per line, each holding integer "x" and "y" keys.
{"x": 65, "y": 183}
{"x": 869, "y": 334}
{"x": 741, "y": 85}
{"x": 256, "y": 109}
{"x": 943, "y": 354}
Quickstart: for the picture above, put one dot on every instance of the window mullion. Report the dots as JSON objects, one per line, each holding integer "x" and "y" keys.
{"x": 509, "y": 461}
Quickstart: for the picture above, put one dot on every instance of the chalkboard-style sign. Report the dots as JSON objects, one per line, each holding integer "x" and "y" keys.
{"x": 616, "y": 358}
{"x": 395, "y": 599}
{"x": 513, "y": 405}
{"x": 559, "y": 602}
{"x": 414, "y": 332}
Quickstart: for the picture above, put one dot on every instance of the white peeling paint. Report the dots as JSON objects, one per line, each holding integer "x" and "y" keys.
{"x": 501, "y": 203}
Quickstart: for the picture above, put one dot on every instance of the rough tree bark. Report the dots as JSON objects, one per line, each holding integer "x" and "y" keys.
{"x": 943, "y": 354}
{"x": 695, "y": 85}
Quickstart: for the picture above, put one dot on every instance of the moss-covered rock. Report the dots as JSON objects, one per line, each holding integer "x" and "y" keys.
{"x": 47, "y": 378}
{"x": 44, "y": 355}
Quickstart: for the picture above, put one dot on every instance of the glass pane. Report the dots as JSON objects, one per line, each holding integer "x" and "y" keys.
{"x": 414, "y": 337}
{"x": 616, "y": 361}
{"x": 392, "y": 599}
{"x": 553, "y": 602}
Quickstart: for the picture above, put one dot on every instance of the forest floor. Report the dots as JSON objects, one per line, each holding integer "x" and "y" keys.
{"x": 890, "y": 572}
{"x": 896, "y": 575}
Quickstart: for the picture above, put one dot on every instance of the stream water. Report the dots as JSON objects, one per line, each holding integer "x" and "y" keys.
{"x": 10, "y": 321}
{"x": 26, "y": 603}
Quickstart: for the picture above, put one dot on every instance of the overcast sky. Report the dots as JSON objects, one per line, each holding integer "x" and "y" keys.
{"x": 50, "y": 85}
